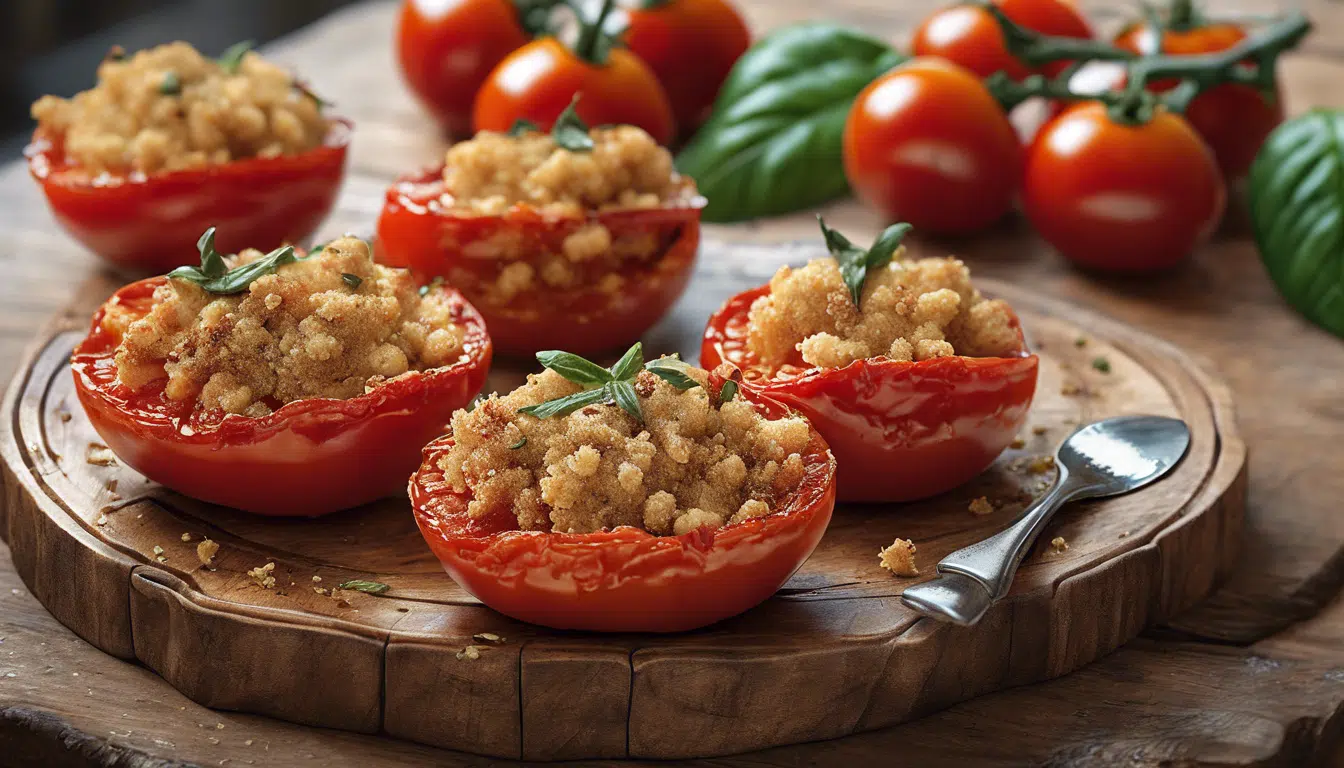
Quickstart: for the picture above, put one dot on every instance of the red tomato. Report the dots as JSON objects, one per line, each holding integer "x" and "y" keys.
{"x": 1122, "y": 198}
{"x": 151, "y": 223}
{"x": 447, "y": 48}
{"x": 308, "y": 458}
{"x": 415, "y": 230}
{"x": 624, "y": 580}
{"x": 690, "y": 45}
{"x": 536, "y": 82}
{"x": 926, "y": 143}
{"x": 899, "y": 430}
{"x": 1234, "y": 119}
{"x": 969, "y": 36}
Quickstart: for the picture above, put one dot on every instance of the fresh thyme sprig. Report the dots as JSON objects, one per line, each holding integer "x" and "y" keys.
{"x": 614, "y": 385}
{"x": 856, "y": 262}
{"x": 214, "y": 276}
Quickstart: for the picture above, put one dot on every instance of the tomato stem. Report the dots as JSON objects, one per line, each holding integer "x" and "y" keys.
{"x": 1034, "y": 48}
{"x": 594, "y": 42}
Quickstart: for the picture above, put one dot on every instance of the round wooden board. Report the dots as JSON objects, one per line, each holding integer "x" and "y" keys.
{"x": 833, "y": 653}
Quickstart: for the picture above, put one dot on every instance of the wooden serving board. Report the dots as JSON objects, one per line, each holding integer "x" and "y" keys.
{"x": 833, "y": 653}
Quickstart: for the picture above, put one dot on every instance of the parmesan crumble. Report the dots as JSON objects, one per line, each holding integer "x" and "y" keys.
{"x": 899, "y": 558}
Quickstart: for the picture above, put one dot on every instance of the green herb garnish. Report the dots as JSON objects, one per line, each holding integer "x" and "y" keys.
{"x": 728, "y": 391}
{"x": 214, "y": 276}
{"x": 351, "y": 280}
{"x": 1080, "y": 342}
{"x": 673, "y": 370}
{"x": 431, "y": 285}
{"x": 368, "y": 587}
{"x": 570, "y": 132}
{"x": 232, "y": 58}
{"x": 854, "y": 261}
{"x": 1102, "y": 364}
{"x": 523, "y": 125}
{"x": 521, "y": 442}
{"x": 602, "y": 386}
{"x": 171, "y": 84}
{"x": 303, "y": 88}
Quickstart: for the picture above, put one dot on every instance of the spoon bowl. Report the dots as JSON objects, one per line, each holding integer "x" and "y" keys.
{"x": 1120, "y": 455}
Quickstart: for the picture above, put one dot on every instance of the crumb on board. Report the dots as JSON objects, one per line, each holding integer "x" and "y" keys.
{"x": 322, "y": 591}
{"x": 1059, "y": 545}
{"x": 186, "y": 537}
{"x": 487, "y": 637}
{"x": 100, "y": 455}
{"x": 1017, "y": 443}
{"x": 316, "y": 579}
{"x": 102, "y": 520}
{"x": 981, "y": 506}
{"x": 899, "y": 558}
{"x": 1124, "y": 534}
{"x": 1041, "y": 464}
{"x": 1070, "y": 389}
{"x": 262, "y": 575}
{"x": 1039, "y": 429}
{"x": 206, "y": 550}
{"x": 470, "y": 653}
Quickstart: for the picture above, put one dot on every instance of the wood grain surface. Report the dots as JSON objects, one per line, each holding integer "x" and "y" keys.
{"x": 1262, "y": 695}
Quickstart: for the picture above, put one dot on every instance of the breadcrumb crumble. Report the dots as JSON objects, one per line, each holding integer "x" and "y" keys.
{"x": 981, "y": 506}
{"x": 206, "y": 550}
{"x": 1059, "y": 545}
{"x": 899, "y": 558}
{"x": 262, "y": 575}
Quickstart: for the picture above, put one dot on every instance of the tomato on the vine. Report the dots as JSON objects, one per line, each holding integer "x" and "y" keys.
{"x": 1234, "y": 119}
{"x": 1118, "y": 197}
{"x": 927, "y": 143}
{"x": 969, "y": 36}
{"x": 447, "y": 49}
{"x": 537, "y": 81}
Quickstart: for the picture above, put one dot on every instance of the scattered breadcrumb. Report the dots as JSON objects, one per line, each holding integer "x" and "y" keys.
{"x": 487, "y": 637}
{"x": 1039, "y": 429}
{"x": 1059, "y": 544}
{"x": 471, "y": 653}
{"x": 64, "y": 416}
{"x": 1041, "y": 464}
{"x": 102, "y": 520}
{"x": 186, "y": 537}
{"x": 899, "y": 558}
{"x": 262, "y": 575}
{"x": 1101, "y": 364}
{"x": 158, "y": 554}
{"x": 316, "y": 578}
{"x": 100, "y": 455}
{"x": 1017, "y": 443}
{"x": 981, "y": 506}
{"x": 1070, "y": 389}
{"x": 206, "y": 550}
{"x": 1123, "y": 534}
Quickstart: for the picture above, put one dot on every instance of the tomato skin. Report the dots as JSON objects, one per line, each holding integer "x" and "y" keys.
{"x": 308, "y": 458}
{"x": 624, "y": 580}
{"x": 1233, "y": 119}
{"x": 446, "y": 50}
{"x": 690, "y": 45}
{"x": 144, "y": 224}
{"x": 536, "y": 82}
{"x": 1122, "y": 198}
{"x": 927, "y": 144}
{"x": 416, "y": 231}
{"x": 900, "y": 431}
{"x": 969, "y": 36}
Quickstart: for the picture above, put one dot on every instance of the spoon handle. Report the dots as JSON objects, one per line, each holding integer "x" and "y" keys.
{"x": 994, "y": 561}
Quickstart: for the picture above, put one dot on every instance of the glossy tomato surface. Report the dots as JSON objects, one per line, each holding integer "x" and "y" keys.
{"x": 150, "y": 223}
{"x": 900, "y": 431}
{"x": 446, "y": 49}
{"x": 1122, "y": 198}
{"x": 1233, "y": 119}
{"x": 969, "y": 36}
{"x": 417, "y": 230}
{"x": 926, "y": 143}
{"x": 690, "y": 45}
{"x": 308, "y": 458}
{"x": 627, "y": 579}
{"x": 536, "y": 83}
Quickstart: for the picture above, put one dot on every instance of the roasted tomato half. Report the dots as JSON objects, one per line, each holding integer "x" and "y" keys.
{"x": 627, "y": 579}
{"x": 899, "y": 430}
{"x": 417, "y": 230}
{"x": 307, "y": 458}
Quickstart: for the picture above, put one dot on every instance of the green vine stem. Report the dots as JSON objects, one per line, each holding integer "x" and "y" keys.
{"x": 595, "y": 42}
{"x": 1034, "y": 48}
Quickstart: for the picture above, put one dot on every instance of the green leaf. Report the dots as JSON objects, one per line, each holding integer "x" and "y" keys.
{"x": 728, "y": 391}
{"x": 214, "y": 278}
{"x": 171, "y": 84}
{"x": 855, "y": 262}
{"x": 773, "y": 142}
{"x": 623, "y": 393}
{"x": 629, "y": 364}
{"x": 303, "y": 88}
{"x": 369, "y": 587}
{"x": 575, "y": 368}
{"x": 521, "y": 442}
{"x": 1295, "y": 192}
{"x": 232, "y": 58}
{"x": 673, "y": 370}
{"x": 351, "y": 280}
{"x": 568, "y": 404}
{"x": 570, "y": 132}
{"x": 523, "y": 125}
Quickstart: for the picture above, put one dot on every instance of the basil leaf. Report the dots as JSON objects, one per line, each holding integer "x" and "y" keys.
{"x": 212, "y": 261}
{"x": 237, "y": 279}
{"x": 522, "y": 125}
{"x": 773, "y": 142}
{"x": 623, "y": 392}
{"x": 351, "y": 280}
{"x": 629, "y": 364}
{"x": 574, "y": 368}
{"x": 1295, "y": 192}
{"x": 570, "y": 132}
{"x": 728, "y": 391}
{"x": 568, "y": 404}
{"x": 672, "y": 370}
{"x": 369, "y": 587}
{"x": 171, "y": 84}
{"x": 855, "y": 262}
{"x": 232, "y": 58}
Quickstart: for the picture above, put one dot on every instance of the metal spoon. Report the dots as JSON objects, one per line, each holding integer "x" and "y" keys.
{"x": 1105, "y": 458}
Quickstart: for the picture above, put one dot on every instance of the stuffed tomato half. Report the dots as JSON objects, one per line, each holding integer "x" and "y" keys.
{"x": 639, "y": 498}
{"x": 280, "y": 385}
{"x": 916, "y": 381}
{"x": 575, "y": 239}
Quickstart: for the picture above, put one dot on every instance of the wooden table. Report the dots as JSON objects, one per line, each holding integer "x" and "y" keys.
{"x": 1253, "y": 676}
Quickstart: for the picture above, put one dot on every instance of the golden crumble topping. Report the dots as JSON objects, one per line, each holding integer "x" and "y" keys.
{"x": 899, "y": 558}
{"x": 168, "y": 108}
{"x": 912, "y": 310}
{"x": 1059, "y": 544}
{"x": 981, "y": 506}
{"x": 302, "y": 332}
{"x": 688, "y": 465}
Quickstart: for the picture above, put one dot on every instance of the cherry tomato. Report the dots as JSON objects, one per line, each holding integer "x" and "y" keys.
{"x": 969, "y": 36}
{"x": 1234, "y": 119}
{"x": 309, "y": 457}
{"x": 1122, "y": 198}
{"x": 690, "y": 45}
{"x": 536, "y": 82}
{"x": 926, "y": 143}
{"x": 446, "y": 49}
{"x": 151, "y": 223}
{"x": 624, "y": 580}
{"x": 899, "y": 430}
{"x": 417, "y": 231}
